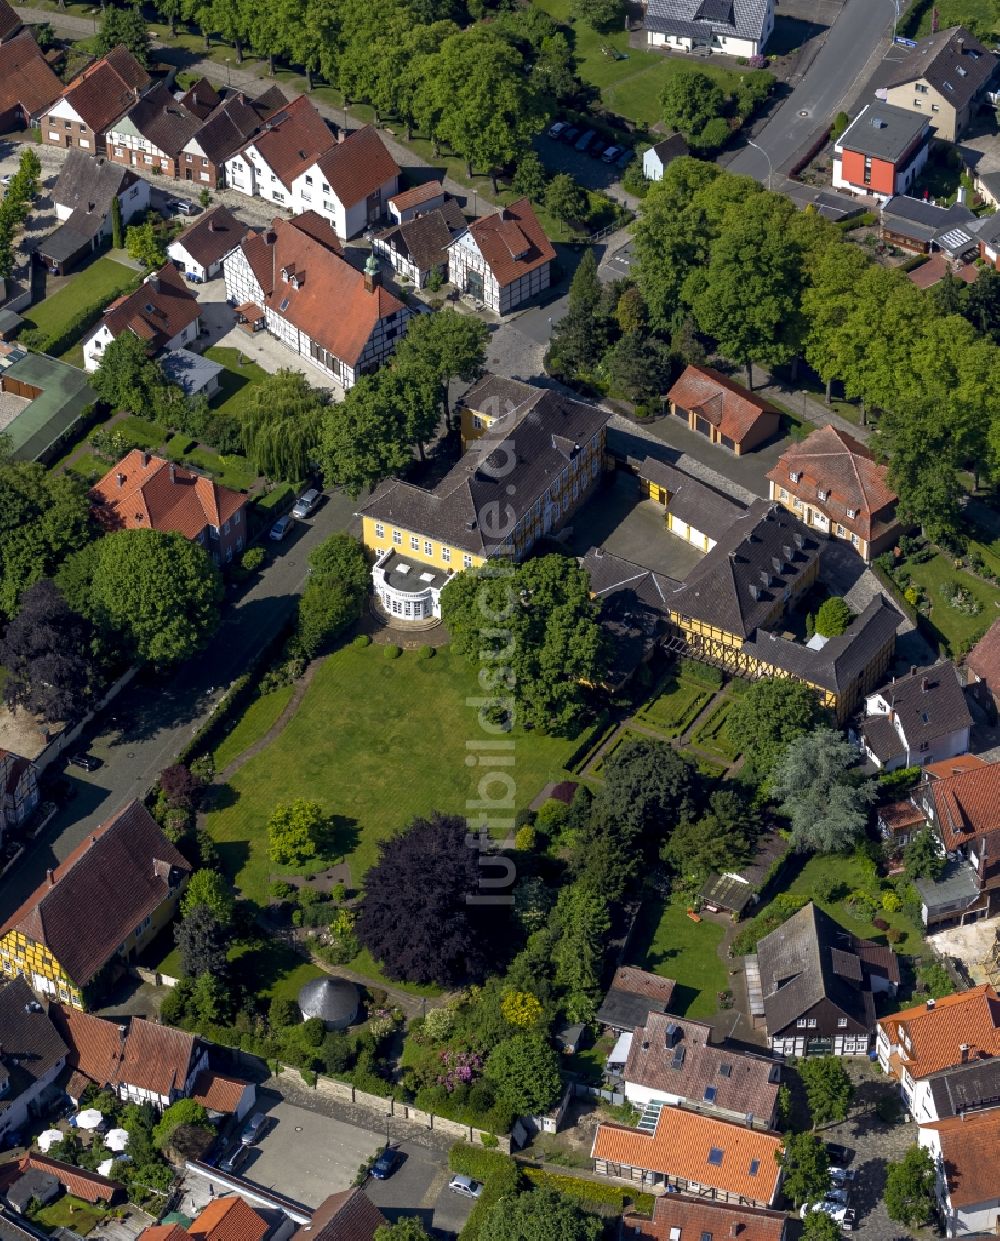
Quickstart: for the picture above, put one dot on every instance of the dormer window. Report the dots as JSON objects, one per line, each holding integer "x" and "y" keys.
{"x": 852, "y": 512}
{"x": 823, "y": 495}
{"x": 795, "y": 475}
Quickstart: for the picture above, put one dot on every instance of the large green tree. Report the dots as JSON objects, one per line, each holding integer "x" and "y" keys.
{"x": 448, "y": 345}
{"x": 335, "y": 593}
{"x": 580, "y": 337}
{"x": 365, "y": 438}
{"x": 533, "y": 629}
{"x": 128, "y": 378}
{"x": 581, "y": 915}
{"x": 212, "y": 889}
{"x": 281, "y": 423}
{"x": 829, "y": 1089}
{"x": 542, "y": 1214}
{"x": 689, "y": 100}
{"x": 806, "y": 1168}
{"x": 909, "y": 1188}
{"x": 525, "y": 1072}
{"x": 124, "y": 26}
{"x": 295, "y": 831}
{"x": 767, "y": 717}
{"x": 816, "y": 788}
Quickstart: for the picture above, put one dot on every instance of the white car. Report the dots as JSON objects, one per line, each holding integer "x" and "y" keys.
{"x": 555, "y": 130}
{"x": 465, "y": 1186}
{"x": 837, "y": 1211}
{"x": 842, "y": 1176}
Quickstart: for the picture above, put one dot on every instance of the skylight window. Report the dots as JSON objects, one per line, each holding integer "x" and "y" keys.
{"x": 284, "y": 304}
{"x": 726, "y": 1070}
{"x": 754, "y": 1166}
{"x": 710, "y": 1093}
{"x": 715, "y": 1156}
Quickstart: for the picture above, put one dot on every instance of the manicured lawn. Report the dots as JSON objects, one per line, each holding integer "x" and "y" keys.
{"x": 89, "y": 467}
{"x": 951, "y": 13}
{"x": 253, "y": 724}
{"x": 847, "y": 876}
{"x": 376, "y": 742}
{"x": 141, "y": 432}
{"x": 232, "y": 470}
{"x": 676, "y": 704}
{"x": 667, "y": 942}
{"x": 956, "y": 628}
{"x": 69, "y": 1212}
{"x": 103, "y": 278}
{"x": 364, "y": 963}
{"x": 234, "y": 384}
{"x": 270, "y": 968}
{"x": 713, "y": 735}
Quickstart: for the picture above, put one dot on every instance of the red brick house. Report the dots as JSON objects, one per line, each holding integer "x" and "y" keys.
{"x": 882, "y": 151}
{"x": 143, "y": 492}
{"x": 722, "y": 411}
{"x": 94, "y": 100}
{"x": 28, "y": 87}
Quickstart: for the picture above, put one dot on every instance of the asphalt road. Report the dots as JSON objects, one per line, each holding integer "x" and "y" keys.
{"x": 143, "y": 729}
{"x": 849, "y": 55}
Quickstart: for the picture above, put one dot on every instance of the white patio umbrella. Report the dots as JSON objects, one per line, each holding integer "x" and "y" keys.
{"x": 88, "y": 1119}
{"x": 116, "y": 1139}
{"x": 49, "y": 1138}
{"x": 104, "y": 1169}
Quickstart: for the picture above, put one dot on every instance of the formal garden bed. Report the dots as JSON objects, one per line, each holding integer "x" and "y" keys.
{"x": 713, "y": 733}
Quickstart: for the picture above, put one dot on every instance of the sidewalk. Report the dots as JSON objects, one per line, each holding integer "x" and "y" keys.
{"x": 799, "y": 402}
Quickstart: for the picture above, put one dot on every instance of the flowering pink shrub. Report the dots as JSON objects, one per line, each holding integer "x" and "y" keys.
{"x": 461, "y": 1068}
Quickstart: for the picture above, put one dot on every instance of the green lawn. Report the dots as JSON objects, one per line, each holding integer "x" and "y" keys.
{"x": 676, "y": 704}
{"x": 141, "y": 432}
{"x": 364, "y": 963}
{"x": 666, "y": 941}
{"x": 232, "y": 470}
{"x": 376, "y": 741}
{"x": 253, "y": 724}
{"x": 103, "y": 278}
{"x": 713, "y": 735}
{"x": 951, "y": 13}
{"x": 955, "y": 628}
{"x": 89, "y": 467}
{"x": 847, "y": 875}
{"x": 234, "y": 383}
{"x": 69, "y": 1212}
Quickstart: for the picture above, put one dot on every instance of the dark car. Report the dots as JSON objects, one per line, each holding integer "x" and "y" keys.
{"x": 253, "y": 1131}
{"x": 838, "y": 1154}
{"x": 86, "y": 762}
{"x": 570, "y": 135}
{"x": 585, "y": 139}
{"x": 386, "y": 1164}
{"x": 235, "y": 1160}
{"x": 625, "y": 159}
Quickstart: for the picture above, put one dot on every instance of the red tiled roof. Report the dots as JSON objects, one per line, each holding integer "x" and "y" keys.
{"x": 159, "y": 309}
{"x": 936, "y": 1035}
{"x": 899, "y": 815}
{"x": 325, "y": 279}
{"x": 293, "y": 140}
{"x": 76, "y": 1181}
{"x": 984, "y": 658}
{"x": 934, "y": 270}
{"x": 313, "y": 225}
{"x": 105, "y": 888}
{"x": 512, "y": 241}
{"x": 969, "y": 1146}
{"x": 832, "y": 461}
{"x": 730, "y": 408}
{"x": 106, "y": 90}
{"x": 143, "y": 492}
{"x": 229, "y": 1219}
{"x": 680, "y": 1148}
{"x": 95, "y": 1045}
{"x": 641, "y": 982}
{"x": 967, "y": 805}
{"x": 358, "y": 166}
{"x": 157, "y": 1058}
{"x": 952, "y": 766}
{"x": 416, "y": 195}
{"x": 217, "y": 1093}
{"x": 347, "y": 1216}
{"x": 676, "y": 1218}
{"x": 9, "y": 20}
{"x": 26, "y": 81}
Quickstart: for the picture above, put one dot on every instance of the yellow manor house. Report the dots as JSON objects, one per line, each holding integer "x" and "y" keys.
{"x": 96, "y": 911}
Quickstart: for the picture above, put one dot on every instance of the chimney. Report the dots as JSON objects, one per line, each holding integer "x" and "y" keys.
{"x": 373, "y": 277}
{"x": 145, "y": 459}
{"x": 211, "y": 224}
{"x": 964, "y": 1049}
{"x": 960, "y": 44}
{"x": 120, "y": 478}
{"x": 153, "y": 280}
{"x": 924, "y": 685}
{"x": 913, "y": 670}
{"x": 50, "y": 875}
{"x": 930, "y": 1004}
{"x": 173, "y": 473}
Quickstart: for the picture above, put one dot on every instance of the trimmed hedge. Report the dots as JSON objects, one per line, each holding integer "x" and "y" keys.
{"x": 499, "y": 1174}
{"x": 74, "y": 330}
{"x": 597, "y": 733}
{"x": 590, "y": 1193}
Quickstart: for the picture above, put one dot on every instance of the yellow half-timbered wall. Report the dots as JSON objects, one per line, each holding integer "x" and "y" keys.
{"x": 43, "y": 973}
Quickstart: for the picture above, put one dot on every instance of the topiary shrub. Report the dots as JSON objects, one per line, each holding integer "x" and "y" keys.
{"x": 362, "y": 640}
{"x": 252, "y": 559}
{"x": 426, "y": 652}
{"x": 392, "y": 652}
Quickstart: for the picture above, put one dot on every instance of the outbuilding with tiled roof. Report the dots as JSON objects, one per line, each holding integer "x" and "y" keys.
{"x": 724, "y": 412}
{"x": 200, "y": 249}
{"x": 419, "y": 246}
{"x": 632, "y": 996}
{"x": 349, "y": 1215}
{"x": 502, "y": 260}
{"x": 79, "y": 1182}
{"x": 676, "y": 1218}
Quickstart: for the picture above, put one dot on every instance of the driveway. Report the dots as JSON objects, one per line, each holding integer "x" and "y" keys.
{"x": 850, "y": 54}
{"x": 142, "y": 731}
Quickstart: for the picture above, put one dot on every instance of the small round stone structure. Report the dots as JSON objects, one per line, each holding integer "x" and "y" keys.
{"x": 335, "y": 1001}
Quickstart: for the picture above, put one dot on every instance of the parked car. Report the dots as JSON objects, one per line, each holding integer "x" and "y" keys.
{"x": 386, "y": 1164}
{"x": 235, "y": 1160}
{"x": 86, "y": 762}
{"x": 253, "y": 1130}
{"x": 5, "y": 179}
{"x": 466, "y": 1186}
{"x": 571, "y": 134}
{"x": 836, "y": 1194}
{"x": 842, "y": 1176}
{"x": 625, "y": 159}
{"x": 585, "y": 140}
{"x": 555, "y": 130}
{"x": 611, "y": 154}
{"x": 838, "y": 1155}
{"x": 307, "y": 503}
{"x": 836, "y": 1211}
{"x": 185, "y": 207}
{"x": 281, "y": 527}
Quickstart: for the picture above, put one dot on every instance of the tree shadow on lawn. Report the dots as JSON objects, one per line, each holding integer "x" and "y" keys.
{"x": 338, "y": 837}
{"x": 233, "y": 855}
{"x": 220, "y": 797}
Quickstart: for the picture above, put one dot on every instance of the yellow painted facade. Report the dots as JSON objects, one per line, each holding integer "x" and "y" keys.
{"x": 815, "y": 518}
{"x": 380, "y": 536}
{"x": 681, "y": 529}
{"x": 474, "y": 424}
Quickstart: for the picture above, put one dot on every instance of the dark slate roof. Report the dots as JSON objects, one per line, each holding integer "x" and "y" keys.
{"x": 671, "y": 148}
{"x": 691, "y": 500}
{"x": 757, "y": 560}
{"x": 632, "y": 996}
{"x": 541, "y": 438}
{"x": 212, "y": 236}
{"x": 85, "y": 180}
{"x": 923, "y": 221}
{"x": 70, "y": 238}
{"x": 807, "y": 959}
{"x": 424, "y": 240}
{"x": 30, "y": 1044}
{"x": 929, "y": 703}
{"x": 988, "y": 229}
{"x": 495, "y": 395}
{"x": 633, "y": 612}
{"x": 883, "y": 131}
{"x": 953, "y": 61}
{"x": 882, "y": 739}
{"x": 163, "y": 120}
{"x": 965, "y": 1087}
{"x": 32, "y": 1184}
{"x": 743, "y": 18}
{"x": 842, "y": 660}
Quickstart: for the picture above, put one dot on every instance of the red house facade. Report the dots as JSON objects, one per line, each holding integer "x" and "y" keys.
{"x": 882, "y": 151}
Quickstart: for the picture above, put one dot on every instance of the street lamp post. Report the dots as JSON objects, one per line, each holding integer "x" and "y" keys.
{"x": 229, "y": 71}
{"x": 388, "y": 1117}
{"x": 93, "y": 18}
{"x": 770, "y": 169}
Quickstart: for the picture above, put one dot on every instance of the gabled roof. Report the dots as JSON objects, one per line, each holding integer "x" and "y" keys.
{"x": 358, "y": 166}
{"x": 953, "y": 61}
{"x": 201, "y": 98}
{"x": 212, "y": 236}
{"x": 925, "y": 221}
{"x": 984, "y": 658}
{"x": 760, "y": 557}
{"x": 967, "y": 805}
{"x": 144, "y": 492}
{"x": 676, "y": 1218}
{"x": 929, "y": 703}
{"x": 225, "y": 130}
{"x": 690, "y": 500}
{"x": 9, "y": 20}
{"x": 293, "y": 139}
{"x": 30, "y": 1045}
{"x": 810, "y": 958}
{"x": 512, "y": 242}
{"x": 76, "y": 1181}
{"x": 632, "y": 996}
{"x": 217, "y": 1093}
{"x": 671, "y": 148}
{"x": 728, "y": 406}
{"x": 346, "y": 1216}
{"x": 106, "y": 90}
{"x": 671, "y": 1056}
{"x": 963, "y": 1088}
{"x": 302, "y": 278}
{"x": 95, "y": 1045}
{"x": 91, "y": 184}
{"x": 229, "y": 1219}
{"x": 634, "y": 611}
{"x": 934, "y": 1033}
{"x": 969, "y": 1146}
{"x": 425, "y": 239}
{"x": 426, "y": 191}
{"x": 26, "y": 81}
{"x": 159, "y": 309}
{"x": 162, "y": 120}
{"x": 124, "y": 870}
{"x": 744, "y": 19}
{"x": 743, "y": 1161}
{"x": 832, "y": 461}
{"x": 543, "y": 436}
{"x": 146, "y": 1055}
